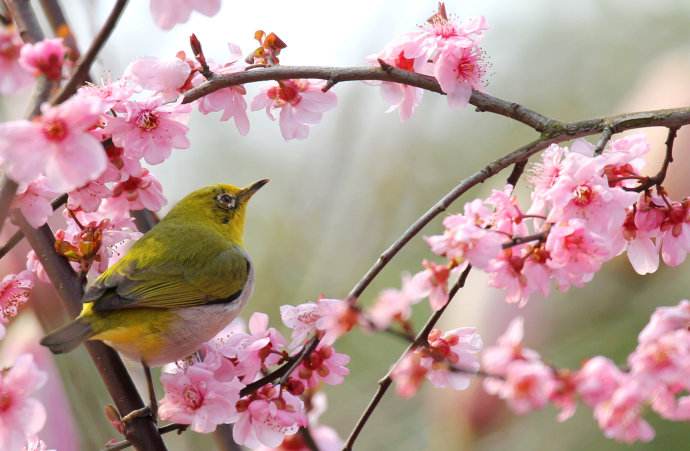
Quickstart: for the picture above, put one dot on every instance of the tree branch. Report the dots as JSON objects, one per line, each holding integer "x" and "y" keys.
{"x": 141, "y": 432}
{"x": 660, "y": 176}
{"x": 482, "y": 101}
{"x": 386, "y": 381}
{"x": 82, "y": 71}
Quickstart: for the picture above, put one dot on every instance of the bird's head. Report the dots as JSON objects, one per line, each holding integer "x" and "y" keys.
{"x": 220, "y": 206}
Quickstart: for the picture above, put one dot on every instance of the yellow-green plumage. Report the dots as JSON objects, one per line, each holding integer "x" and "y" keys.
{"x": 177, "y": 286}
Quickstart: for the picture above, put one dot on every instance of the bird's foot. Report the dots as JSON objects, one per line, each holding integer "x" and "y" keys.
{"x": 144, "y": 412}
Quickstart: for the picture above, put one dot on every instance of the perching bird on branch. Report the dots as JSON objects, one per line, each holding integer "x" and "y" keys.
{"x": 176, "y": 288}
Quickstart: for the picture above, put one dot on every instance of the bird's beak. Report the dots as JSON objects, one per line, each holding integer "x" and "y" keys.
{"x": 253, "y": 188}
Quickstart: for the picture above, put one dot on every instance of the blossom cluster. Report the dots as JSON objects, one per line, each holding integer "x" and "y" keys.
{"x": 657, "y": 377}
{"x": 443, "y": 47}
{"x": 206, "y": 391}
{"x": 585, "y": 210}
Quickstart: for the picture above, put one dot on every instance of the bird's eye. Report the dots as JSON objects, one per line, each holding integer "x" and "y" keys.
{"x": 226, "y": 201}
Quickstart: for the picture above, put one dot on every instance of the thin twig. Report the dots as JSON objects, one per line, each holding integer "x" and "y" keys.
{"x": 603, "y": 140}
{"x": 386, "y": 381}
{"x": 308, "y": 439}
{"x": 81, "y": 73}
{"x": 539, "y": 236}
{"x": 660, "y": 176}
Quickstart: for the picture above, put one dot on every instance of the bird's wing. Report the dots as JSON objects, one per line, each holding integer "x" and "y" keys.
{"x": 159, "y": 273}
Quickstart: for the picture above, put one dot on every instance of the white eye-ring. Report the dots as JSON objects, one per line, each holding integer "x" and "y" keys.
{"x": 226, "y": 201}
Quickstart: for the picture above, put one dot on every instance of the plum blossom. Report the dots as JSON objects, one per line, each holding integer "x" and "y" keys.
{"x": 527, "y": 386}
{"x": 665, "y": 320}
{"x": 620, "y": 416}
{"x": 12, "y": 75}
{"x": 229, "y": 100}
{"x": 21, "y": 415}
{"x": 459, "y": 70}
{"x": 194, "y": 396}
{"x": 56, "y": 144}
{"x": 447, "y": 360}
{"x": 88, "y": 197}
{"x": 331, "y": 317}
{"x": 323, "y": 365}
{"x": 301, "y": 104}
{"x": 508, "y": 349}
{"x": 165, "y": 76}
{"x": 597, "y": 380}
{"x": 168, "y": 13}
{"x": 15, "y": 290}
{"x": 267, "y": 416}
{"x": 150, "y": 129}
{"x": 34, "y": 200}
{"x": 139, "y": 192}
{"x": 44, "y": 58}
{"x": 394, "y": 305}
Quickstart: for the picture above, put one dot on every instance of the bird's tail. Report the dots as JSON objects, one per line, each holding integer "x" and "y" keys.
{"x": 68, "y": 336}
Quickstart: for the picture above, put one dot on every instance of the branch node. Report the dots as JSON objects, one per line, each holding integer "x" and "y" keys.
{"x": 385, "y": 66}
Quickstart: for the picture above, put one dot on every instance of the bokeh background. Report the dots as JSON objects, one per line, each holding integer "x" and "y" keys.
{"x": 336, "y": 200}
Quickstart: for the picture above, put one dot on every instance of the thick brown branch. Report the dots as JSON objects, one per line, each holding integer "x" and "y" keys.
{"x": 142, "y": 432}
{"x": 82, "y": 71}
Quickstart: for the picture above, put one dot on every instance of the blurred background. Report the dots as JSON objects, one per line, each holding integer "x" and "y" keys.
{"x": 339, "y": 198}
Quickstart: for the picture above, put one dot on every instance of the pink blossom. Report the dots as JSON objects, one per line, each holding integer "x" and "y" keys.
{"x": 34, "y": 266}
{"x": 15, "y": 290}
{"x": 459, "y": 70}
{"x": 466, "y": 236}
{"x": 409, "y": 374}
{"x": 521, "y": 271}
{"x": 543, "y": 175}
{"x": 301, "y": 104}
{"x": 663, "y": 361}
{"x": 267, "y": 416}
{"x": 432, "y": 283}
{"x": 195, "y": 397}
{"x": 665, "y": 320}
{"x": 620, "y": 417}
{"x": 575, "y": 252}
{"x": 332, "y": 317}
{"x": 88, "y": 197}
{"x": 508, "y": 349}
{"x": 21, "y": 416}
{"x": 44, "y": 58}
{"x": 642, "y": 250}
{"x": 325, "y": 437}
{"x": 230, "y": 100}
{"x": 111, "y": 93}
{"x": 35, "y": 201}
{"x": 675, "y": 233}
{"x": 150, "y": 129}
{"x": 57, "y": 144}
{"x": 597, "y": 380}
{"x": 666, "y": 403}
{"x": 12, "y": 75}
{"x": 527, "y": 386}
{"x": 452, "y": 357}
{"x": 394, "y": 305}
{"x": 168, "y": 13}
{"x": 263, "y": 347}
{"x": 121, "y": 164}
{"x": 323, "y": 365}
{"x": 139, "y": 192}
{"x": 164, "y": 76}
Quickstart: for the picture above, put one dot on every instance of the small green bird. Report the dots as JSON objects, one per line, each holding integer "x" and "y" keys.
{"x": 176, "y": 288}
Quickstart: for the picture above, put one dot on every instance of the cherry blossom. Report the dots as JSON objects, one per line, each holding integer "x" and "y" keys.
{"x": 34, "y": 200}
{"x": 57, "y": 144}
{"x": 332, "y": 317}
{"x": 453, "y": 357}
{"x": 44, "y": 58}
{"x": 597, "y": 380}
{"x": 150, "y": 129}
{"x": 394, "y": 305}
{"x": 88, "y": 197}
{"x": 12, "y": 75}
{"x": 527, "y": 386}
{"x": 22, "y": 416}
{"x": 195, "y": 397}
{"x": 508, "y": 348}
{"x": 139, "y": 192}
{"x": 301, "y": 104}
{"x": 619, "y": 417}
{"x": 267, "y": 416}
{"x": 459, "y": 70}
{"x": 168, "y": 13}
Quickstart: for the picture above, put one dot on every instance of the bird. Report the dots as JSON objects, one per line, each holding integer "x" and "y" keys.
{"x": 177, "y": 287}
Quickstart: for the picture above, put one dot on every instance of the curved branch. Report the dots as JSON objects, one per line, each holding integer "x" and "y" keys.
{"x": 483, "y": 102}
